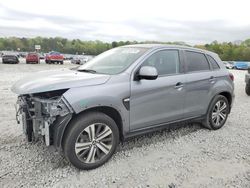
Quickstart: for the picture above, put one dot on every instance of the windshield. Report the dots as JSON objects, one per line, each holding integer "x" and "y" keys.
{"x": 32, "y": 54}
{"x": 114, "y": 61}
{"x": 54, "y": 53}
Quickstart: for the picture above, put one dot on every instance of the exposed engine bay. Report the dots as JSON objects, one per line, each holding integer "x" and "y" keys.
{"x": 38, "y": 112}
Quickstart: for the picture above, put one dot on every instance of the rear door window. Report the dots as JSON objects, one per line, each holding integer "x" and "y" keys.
{"x": 196, "y": 61}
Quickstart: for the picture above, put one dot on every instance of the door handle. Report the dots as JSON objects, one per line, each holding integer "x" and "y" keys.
{"x": 212, "y": 79}
{"x": 178, "y": 85}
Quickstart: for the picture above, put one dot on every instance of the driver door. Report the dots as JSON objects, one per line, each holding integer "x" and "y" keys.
{"x": 154, "y": 102}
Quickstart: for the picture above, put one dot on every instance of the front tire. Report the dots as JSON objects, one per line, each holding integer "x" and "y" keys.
{"x": 217, "y": 113}
{"x": 247, "y": 89}
{"x": 90, "y": 140}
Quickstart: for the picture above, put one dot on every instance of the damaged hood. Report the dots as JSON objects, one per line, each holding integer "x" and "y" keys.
{"x": 57, "y": 79}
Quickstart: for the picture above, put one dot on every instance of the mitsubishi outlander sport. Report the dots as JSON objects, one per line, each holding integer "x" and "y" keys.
{"x": 124, "y": 92}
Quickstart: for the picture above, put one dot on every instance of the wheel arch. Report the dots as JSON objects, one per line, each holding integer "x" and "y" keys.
{"x": 109, "y": 111}
{"x": 227, "y": 95}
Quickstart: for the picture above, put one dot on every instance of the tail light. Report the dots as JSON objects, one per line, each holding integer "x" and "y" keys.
{"x": 231, "y": 76}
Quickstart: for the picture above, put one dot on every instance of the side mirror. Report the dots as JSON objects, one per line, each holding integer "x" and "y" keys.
{"x": 148, "y": 73}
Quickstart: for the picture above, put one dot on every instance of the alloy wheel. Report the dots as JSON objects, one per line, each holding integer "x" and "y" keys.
{"x": 219, "y": 113}
{"x": 94, "y": 143}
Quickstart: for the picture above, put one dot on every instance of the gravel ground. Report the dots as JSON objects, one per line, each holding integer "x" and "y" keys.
{"x": 185, "y": 157}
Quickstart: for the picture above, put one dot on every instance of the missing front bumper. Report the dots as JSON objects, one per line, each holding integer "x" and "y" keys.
{"x": 38, "y": 116}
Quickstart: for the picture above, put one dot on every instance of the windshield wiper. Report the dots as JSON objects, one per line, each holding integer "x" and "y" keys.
{"x": 86, "y": 70}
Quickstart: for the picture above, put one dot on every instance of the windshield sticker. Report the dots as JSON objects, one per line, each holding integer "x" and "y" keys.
{"x": 130, "y": 51}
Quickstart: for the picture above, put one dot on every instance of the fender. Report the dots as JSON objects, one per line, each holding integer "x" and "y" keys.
{"x": 85, "y": 98}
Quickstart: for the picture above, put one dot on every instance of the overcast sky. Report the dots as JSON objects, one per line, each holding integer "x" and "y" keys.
{"x": 191, "y": 21}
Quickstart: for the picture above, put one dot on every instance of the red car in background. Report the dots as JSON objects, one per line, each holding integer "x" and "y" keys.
{"x": 54, "y": 57}
{"x": 32, "y": 58}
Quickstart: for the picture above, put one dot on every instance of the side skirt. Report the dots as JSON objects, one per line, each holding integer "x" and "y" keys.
{"x": 162, "y": 126}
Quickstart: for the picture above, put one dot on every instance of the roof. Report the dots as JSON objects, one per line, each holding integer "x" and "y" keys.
{"x": 9, "y": 54}
{"x": 156, "y": 46}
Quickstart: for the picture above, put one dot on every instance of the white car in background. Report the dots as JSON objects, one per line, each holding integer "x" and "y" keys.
{"x": 79, "y": 59}
{"x": 229, "y": 64}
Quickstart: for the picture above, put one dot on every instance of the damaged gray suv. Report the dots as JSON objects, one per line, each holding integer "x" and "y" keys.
{"x": 123, "y": 92}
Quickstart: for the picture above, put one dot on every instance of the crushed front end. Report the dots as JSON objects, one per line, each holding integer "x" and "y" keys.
{"x": 43, "y": 115}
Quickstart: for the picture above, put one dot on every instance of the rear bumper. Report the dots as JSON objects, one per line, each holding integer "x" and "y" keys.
{"x": 32, "y": 60}
{"x": 75, "y": 62}
{"x": 10, "y": 61}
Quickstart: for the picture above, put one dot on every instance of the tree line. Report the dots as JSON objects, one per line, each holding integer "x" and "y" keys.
{"x": 229, "y": 51}
{"x": 64, "y": 45}
{"x": 226, "y": 50}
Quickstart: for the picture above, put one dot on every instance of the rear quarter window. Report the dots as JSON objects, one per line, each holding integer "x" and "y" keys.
{"x": 213, "y": 62}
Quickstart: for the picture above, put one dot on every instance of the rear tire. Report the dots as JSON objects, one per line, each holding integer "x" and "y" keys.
{"x": 247, "y": 89}
{"x": 90, "y": 140}
{"x": 217, "y": 113}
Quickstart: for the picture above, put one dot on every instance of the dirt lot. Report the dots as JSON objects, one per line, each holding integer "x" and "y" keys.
{"x": 186, "y": 157}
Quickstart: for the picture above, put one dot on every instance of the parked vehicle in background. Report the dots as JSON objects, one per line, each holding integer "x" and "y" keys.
{"x": 23, "y": 54}
{"x": 68, "y": 56}
{"x": 41, "y": 56}
{"x": 248, "y": 64}
{"x": 32, "y": 58}
{"x": 123, "y": 92}
{"x": 229, "y": 64}
{"x": 240, "y": 65}
{"x": 10, "y": 58}
{"x": 247, "y": 80}
{"x": 76, "y": 59}
{"x": 54, "y": 57}
{"x": 79, "y": 59}
{"x": 85, "y": 60}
